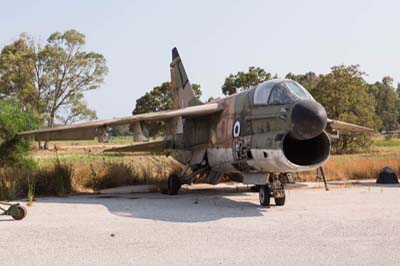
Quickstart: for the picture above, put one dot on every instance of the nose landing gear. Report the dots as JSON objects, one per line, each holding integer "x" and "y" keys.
{"x": 274, "y": 190}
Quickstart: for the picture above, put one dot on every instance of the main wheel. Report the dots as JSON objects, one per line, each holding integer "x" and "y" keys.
{"x": 174, "y": 184}
{"x": 20, "y": 214}
{"x": 264, "y": 195}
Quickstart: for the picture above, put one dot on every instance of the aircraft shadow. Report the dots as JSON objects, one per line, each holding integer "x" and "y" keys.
{"x": 188, "y": 207}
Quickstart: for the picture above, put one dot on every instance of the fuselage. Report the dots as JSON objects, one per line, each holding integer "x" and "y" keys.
{"x": 276, "y": 127}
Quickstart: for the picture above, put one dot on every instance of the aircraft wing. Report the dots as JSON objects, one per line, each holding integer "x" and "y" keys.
{"x": 344, "y": 126}
{"x": 89, "y": 130}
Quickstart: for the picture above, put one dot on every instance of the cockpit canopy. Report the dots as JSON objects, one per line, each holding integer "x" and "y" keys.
{"x": 278, "y": 91}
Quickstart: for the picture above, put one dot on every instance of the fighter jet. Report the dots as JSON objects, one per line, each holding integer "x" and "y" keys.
{"x": 255, "y": 136}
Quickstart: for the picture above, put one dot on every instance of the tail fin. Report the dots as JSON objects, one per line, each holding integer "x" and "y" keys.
{"x": 182, "y": 92}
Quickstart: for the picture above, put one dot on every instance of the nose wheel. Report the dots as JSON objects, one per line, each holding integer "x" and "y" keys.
{"x": 264, "y": 195}
{"x": 280, "y": 201}
{"x": 277, "y": 191}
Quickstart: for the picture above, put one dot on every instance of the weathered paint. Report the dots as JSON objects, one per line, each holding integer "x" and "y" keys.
{"x": 221, "y": 159}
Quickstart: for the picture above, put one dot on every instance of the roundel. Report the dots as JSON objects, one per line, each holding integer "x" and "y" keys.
{"x": 236, "y": 129}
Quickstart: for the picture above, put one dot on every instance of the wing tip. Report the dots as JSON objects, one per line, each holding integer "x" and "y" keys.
{"x": 349, "y": 126}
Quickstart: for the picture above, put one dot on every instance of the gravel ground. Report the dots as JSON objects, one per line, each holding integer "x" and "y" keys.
{"x": 357, "y": 225}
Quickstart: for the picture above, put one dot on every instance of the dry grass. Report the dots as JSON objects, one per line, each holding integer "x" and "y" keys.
{"x": 84, "y": 173}
{"x": 94, "y": 170}
{"x": 99, "y": 173}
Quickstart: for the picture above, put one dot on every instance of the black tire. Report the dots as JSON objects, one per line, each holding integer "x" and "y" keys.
{"x": 174, "y": 184}
{"x": 264, "y": 195}
{"x": 280, "y": 201}
{"x": 21, "y": 213}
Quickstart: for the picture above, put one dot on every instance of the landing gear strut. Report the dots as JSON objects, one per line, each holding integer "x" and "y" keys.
{"x": 175, "y": 182}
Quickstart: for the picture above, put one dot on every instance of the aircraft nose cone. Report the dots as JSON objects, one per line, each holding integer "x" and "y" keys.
{"x": 308, "y": 119}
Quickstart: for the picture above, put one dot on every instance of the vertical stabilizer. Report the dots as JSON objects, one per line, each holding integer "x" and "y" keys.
{"x": 183, "y": 94}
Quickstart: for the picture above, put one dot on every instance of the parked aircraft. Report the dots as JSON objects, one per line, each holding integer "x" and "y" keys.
{"x": 257, "y": 135}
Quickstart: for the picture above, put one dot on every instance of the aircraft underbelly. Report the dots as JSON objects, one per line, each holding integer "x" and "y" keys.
{"x": 262, "y": 161}
{"x": 221, "y": 159}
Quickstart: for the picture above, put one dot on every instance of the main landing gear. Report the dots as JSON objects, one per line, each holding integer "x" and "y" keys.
{"x": 174, "y": 185}
{"x": 175, "y": 182}
{"x": 275, "y": 190}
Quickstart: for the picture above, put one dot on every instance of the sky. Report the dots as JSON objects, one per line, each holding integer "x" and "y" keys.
{"x": 214, "y": 39}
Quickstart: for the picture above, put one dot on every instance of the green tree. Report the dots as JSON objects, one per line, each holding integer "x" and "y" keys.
{"x": 245, "y": 80}
{"x": 75, "y": 111}
{"x": 51, "y": 79}
{"x": 122, "y": 130}
{"x": 309, "y": 80}
{"x": 158, "y": 99}
{"x": 387, "y": 103}
{"x": 12, "y": 120}
{"x": 344, "y": 94}
{"x": 17, "y": 73}
{"x": 398, "y": 89}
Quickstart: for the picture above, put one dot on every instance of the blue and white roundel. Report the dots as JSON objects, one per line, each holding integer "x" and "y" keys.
{"x": 236, "y": 129}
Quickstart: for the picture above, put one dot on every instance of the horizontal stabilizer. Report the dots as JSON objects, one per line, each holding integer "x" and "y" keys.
{"x": 155, "y": 146}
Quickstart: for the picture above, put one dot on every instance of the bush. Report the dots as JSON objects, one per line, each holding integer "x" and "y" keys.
{"x": 14, "y": 179}
{"x": 354, "y": 143}
{"x": 54, "y": 180}
{"x": 8, "y": 185}
{"x": 117, "y": 174}
{"x": 13, "y": 120}
{"x": 101, "y": 174}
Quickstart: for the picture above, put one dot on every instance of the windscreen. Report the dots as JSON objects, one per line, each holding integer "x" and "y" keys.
{"x": 280, "y": 95}
{"x": 297, "y": 90}
{"x": 279, "y": 92}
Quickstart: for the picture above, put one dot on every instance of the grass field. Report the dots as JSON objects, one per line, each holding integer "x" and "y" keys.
{"x": 93, "y": 169}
